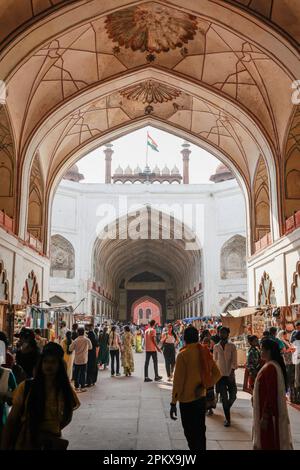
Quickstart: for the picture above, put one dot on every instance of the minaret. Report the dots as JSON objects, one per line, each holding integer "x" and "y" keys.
{"x": 185, "y": 158}
{"x": 108, "y": 151}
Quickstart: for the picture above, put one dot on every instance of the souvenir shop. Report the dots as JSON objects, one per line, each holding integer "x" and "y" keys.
{"x": 254, "y": 321}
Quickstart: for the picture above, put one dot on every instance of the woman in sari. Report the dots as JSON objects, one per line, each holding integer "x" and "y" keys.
{"x": 138, "y": 340}
{"x": 127, "y": 356}
{"x": 103, "y": 356}
{"x": 271, "y": 426}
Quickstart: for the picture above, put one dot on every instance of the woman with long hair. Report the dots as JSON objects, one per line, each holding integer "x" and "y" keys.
{"x": 271, "y": 426}
{"x": 68, "y": 355}
{"x": 169, "y": 341}
{"x": 42, "y": 406}
{"x": 103, "y": 355}
{"x": 211, "y": 402}
{"x": 92, "y": 369}
{"x": 114, "y": 349}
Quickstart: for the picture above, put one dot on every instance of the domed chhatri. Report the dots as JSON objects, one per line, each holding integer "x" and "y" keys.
{"x": 128, "y": 170}
{"x": 119, "y": 171}
{"x": 165, "y": 171}
{"x": 175, "y": 170}
{"x": 156, "y": 170}
{"x": 73, "y": 174}
{"x": 222, "y": 174}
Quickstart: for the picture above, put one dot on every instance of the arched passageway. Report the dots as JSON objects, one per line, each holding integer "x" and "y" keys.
{"x": 146, "y": 253}
{"x": 144, "y": 309}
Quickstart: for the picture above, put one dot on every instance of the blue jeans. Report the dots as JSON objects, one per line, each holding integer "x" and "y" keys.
{"x": 80, "y": 375}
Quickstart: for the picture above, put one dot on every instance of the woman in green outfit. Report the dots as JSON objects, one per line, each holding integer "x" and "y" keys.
{"x": 127, "y": 356}
{"x": 138, "y": 340}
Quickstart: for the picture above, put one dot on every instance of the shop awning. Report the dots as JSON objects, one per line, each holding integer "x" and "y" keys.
{"x": 241, "y": 312}
{"x": 235, "y": 319}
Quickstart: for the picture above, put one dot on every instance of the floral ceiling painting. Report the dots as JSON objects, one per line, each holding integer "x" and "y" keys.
{"x": 151, "y": 28}
{"x": 150, "y": 91}
{"x": 149, "y": 34}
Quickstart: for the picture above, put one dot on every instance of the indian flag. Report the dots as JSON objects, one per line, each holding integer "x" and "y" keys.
{"x": 152, "y": 143}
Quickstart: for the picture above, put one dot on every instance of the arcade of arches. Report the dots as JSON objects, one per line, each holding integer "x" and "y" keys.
{"x": 92, "y": 71}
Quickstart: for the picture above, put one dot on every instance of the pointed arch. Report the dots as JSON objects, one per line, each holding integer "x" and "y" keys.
{"x": 261, "y": 201}
{"x": 266, "y": 291}
{"x": 292, "y": 167}
{"x": 62, "y": 257}
{"x": 35, "y": 220}
{"x": 233, "y": 258}
{"x": 146, "y": 308}
{"x": 31, "y": 291}
{"x": 295, "y": 288}
{"x": 7, "y": 165}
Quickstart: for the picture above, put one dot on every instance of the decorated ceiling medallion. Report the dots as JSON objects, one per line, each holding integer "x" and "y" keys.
{"x": 150, "y": 92}
{"x": 151, "y": 27}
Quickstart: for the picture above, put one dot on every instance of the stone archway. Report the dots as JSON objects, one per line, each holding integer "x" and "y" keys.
{"x": 136, "y": 297}
{"x": 146, "y": 308}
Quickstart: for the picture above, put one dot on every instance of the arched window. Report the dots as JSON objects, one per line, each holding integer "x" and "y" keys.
{"x": 233, "y": 258}
{"x": 295, "y": 292}
{"x": 141, "y": 313}
{"x": 236, "y": 304}
{"x": 62, "y": 257}
{"x": 148, "y": 313}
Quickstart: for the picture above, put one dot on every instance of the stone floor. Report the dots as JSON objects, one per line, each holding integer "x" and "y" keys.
{"x": 125, "y": 413}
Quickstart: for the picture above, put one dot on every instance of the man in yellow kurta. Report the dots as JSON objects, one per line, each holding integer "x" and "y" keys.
{"x": 195, "y": 371}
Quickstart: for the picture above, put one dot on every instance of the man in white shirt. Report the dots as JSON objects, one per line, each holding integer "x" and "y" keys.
{"x": 225, "y": 355}
{"x": 81, "y": 345}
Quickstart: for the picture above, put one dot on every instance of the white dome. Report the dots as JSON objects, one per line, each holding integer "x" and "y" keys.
{"x": 156, "y": 170}
{"x": 119, "y": 171}
{"x": 165, "y": 170}
{"x": 128, "y": 170}
{"x": 137, "y": 170}
{"x": 175, "y": 170}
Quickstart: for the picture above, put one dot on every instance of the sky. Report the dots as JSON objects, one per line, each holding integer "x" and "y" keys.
{"x": 131, "y": 150}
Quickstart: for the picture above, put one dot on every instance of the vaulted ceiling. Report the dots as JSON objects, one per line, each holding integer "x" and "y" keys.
{"x": 175, "y": 252}
{"x": 80, "y": 72}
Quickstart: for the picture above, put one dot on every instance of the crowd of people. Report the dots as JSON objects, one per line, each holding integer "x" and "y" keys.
{"x": 40, "y": 377}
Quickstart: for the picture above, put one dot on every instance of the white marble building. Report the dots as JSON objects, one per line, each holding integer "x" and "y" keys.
{"x": 218, "y": 221}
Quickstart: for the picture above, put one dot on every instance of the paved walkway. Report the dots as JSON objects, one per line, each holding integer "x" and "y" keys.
{"x": 125, "y": 413}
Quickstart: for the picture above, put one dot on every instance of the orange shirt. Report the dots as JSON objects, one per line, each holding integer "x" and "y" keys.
{"x": 150, "y": 333}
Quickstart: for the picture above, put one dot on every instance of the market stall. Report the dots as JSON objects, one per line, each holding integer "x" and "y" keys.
{"x": 242, "y": 322}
